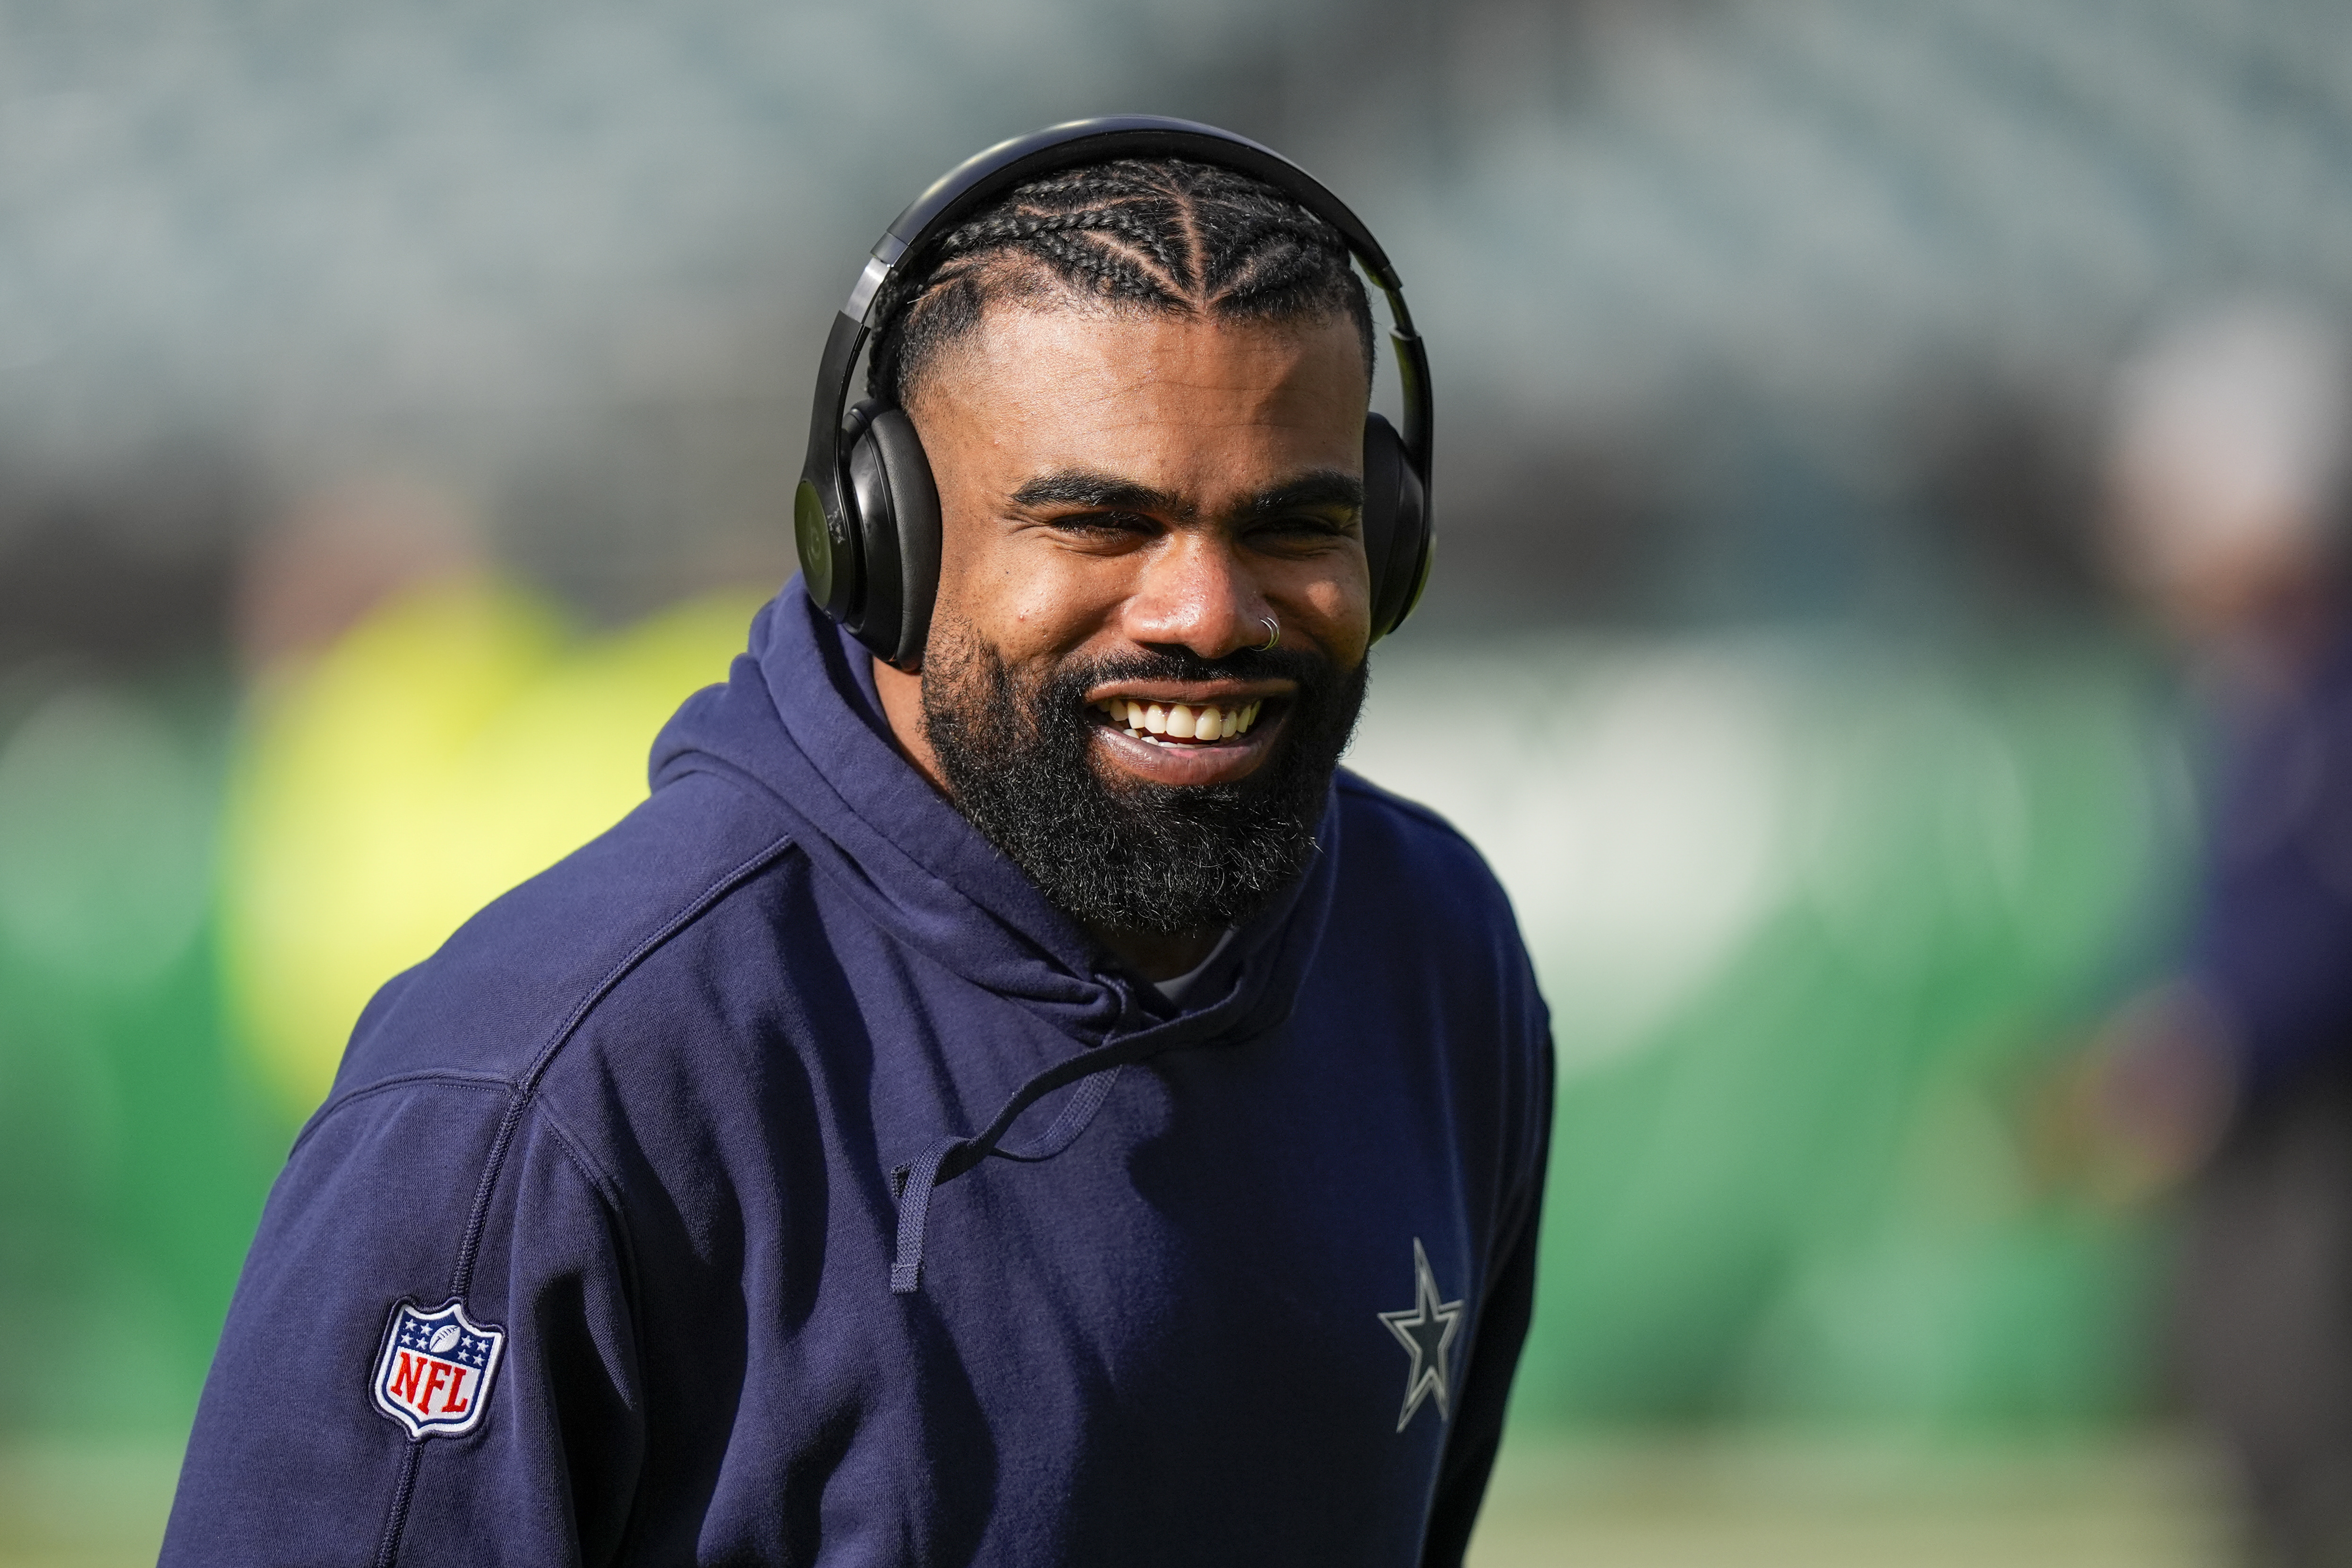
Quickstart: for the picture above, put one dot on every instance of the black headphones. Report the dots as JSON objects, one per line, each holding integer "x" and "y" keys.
{"x": 868, "y": 529}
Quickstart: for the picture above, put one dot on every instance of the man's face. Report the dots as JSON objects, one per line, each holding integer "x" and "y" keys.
{"x": 1127, "y": 500}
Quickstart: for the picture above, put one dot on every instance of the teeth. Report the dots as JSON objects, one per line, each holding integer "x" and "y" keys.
{"x": 1182, "y": 721}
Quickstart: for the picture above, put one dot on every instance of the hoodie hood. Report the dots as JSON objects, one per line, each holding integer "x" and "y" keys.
{"x": 798, "y": 725}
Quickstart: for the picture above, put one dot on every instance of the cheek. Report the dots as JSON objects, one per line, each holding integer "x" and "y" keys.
{"x": 962, "y": 541}
{"x": 1335, "y": 603}
{"x": 1020, "y": 593}
{"x": 1342, "y": 601}
{"x": 1052, "y": 600}
{"x": 974, "y": 573}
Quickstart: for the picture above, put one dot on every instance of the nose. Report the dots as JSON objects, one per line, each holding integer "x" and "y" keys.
{"x": 1197, "y": 594}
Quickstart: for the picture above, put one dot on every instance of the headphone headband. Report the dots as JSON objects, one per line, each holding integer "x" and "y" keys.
{"x": 986, "y": 175}
{"x": 820, "y": 513}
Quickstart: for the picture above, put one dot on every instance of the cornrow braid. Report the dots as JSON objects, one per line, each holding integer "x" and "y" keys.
{"x": 1157, "y": 234}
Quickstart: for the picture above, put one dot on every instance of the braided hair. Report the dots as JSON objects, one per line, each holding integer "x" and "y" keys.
{"x": 1161, "y": 235}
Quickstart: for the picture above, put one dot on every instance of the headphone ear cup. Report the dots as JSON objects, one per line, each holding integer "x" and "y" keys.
{"x": 898, "y": 524}
{"x": 1396, "y": 525}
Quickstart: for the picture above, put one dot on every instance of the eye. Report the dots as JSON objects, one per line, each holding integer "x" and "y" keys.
{"x": 1105, "y": 525}
{"x": 1303, "y": 532}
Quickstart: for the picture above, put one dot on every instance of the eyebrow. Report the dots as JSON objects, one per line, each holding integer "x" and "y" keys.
{"x": 1107, "y": 491}
{"x": 1325, "y": 487}
{"x": 1086, "y": 487}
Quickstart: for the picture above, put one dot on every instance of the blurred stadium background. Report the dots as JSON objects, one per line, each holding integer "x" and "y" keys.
{"x": 397, "y": 414}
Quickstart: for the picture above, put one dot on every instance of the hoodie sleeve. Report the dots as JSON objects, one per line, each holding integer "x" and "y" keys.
{"x": 1476, "y": 1432}
{"x": 399, "y": 1205}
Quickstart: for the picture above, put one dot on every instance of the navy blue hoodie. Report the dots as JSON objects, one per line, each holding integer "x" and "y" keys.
{"x": 659, "y": 1217}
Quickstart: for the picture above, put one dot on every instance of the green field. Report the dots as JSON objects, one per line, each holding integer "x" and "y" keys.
{"x": 1821, "y": 927}
{"x": 1722, "y": 1501}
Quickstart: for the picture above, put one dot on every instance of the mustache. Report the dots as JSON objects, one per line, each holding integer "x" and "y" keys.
{"x": 1308, "y": 670}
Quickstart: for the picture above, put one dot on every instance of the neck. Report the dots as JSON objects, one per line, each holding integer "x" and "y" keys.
{"x": 1149, "y": 954}
{"x": 1156, "y": 957}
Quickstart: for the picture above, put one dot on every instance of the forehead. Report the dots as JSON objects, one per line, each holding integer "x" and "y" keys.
{"x": 1177, "y": 401}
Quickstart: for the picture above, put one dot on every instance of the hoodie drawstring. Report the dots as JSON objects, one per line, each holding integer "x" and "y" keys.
{"x": 950, "y": 1158}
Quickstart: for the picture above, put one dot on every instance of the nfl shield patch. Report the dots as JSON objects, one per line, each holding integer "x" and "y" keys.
{"x": 433, "y": 1375}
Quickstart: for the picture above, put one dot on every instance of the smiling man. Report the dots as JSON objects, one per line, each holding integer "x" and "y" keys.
{"x": 1161, "y": 569}
{"x": 1011, "y": 1100}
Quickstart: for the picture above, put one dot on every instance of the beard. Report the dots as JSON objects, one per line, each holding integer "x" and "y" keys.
{"x": 1126, "y": 854}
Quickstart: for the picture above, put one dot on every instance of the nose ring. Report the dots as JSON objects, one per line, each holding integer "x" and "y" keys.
{"x": 1272, "y": 633}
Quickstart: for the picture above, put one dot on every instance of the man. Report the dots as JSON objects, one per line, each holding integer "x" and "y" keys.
{"x": 651, "y": 1219}
{"x": 2232, "y": 453}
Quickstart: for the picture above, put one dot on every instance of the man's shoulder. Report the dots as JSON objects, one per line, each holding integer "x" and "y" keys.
{"x": 1387, "y": 826}
{"x": 502, "y": 994}
{"x": 1408, "y": 860}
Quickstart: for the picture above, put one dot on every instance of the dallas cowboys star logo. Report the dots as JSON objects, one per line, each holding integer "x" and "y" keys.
{"x": 1426, "y": 1330}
